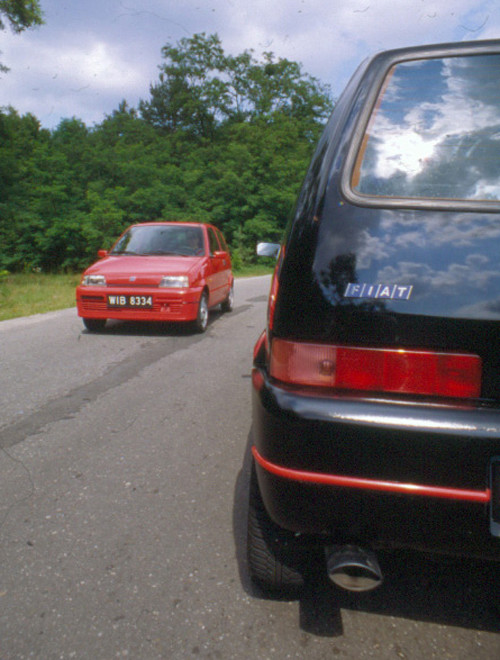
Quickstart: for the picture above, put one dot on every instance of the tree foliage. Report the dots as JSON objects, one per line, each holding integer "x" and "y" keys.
{"x": 222, "y": 139}
{"x": 200, "y": 88}
{"x": 19, "y": 15}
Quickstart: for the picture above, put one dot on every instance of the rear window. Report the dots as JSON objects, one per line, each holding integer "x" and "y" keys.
{"x": 434, "y": 132}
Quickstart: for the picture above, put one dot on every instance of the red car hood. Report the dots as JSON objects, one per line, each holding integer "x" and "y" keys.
{"x": 146, "y": 270}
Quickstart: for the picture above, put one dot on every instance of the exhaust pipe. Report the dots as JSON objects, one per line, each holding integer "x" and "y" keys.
{"x": 353, "y": 568}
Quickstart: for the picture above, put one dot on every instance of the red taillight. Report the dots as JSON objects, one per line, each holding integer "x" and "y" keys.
{"x": 376, "y": 369}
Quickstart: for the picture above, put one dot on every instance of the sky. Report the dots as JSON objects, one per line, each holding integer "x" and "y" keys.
{"x": 90, "y": 55}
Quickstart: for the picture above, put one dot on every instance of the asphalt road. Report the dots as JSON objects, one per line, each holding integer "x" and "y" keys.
{"x": 123, "y": 478}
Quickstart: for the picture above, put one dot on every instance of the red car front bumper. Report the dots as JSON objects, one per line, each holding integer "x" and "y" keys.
{"x": 150, "y": 304}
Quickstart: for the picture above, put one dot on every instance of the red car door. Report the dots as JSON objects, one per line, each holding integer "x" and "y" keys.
{"x": 218, "y": 260}
{"x": 227, "y": 274}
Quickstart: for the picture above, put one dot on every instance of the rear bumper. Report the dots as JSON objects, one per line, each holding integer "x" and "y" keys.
{"x": 168, "y": 304}
{"x": 383, "y": 473}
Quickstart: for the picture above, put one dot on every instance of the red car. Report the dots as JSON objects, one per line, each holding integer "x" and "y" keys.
{"x": 158, "y": 271}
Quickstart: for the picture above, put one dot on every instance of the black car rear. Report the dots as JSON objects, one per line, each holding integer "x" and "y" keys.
{"x": 376, "y": 385}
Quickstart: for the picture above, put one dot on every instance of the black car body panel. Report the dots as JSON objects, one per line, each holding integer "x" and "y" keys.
{"x": 394, "y": 245}
{"x": 396, "y": 474}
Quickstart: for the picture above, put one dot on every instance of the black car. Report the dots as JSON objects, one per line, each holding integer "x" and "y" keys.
{"x": 376, "y": 384}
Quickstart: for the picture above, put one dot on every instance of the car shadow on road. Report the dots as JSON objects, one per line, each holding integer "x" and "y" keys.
{"x": 152, "y": 329}
{"x": 445, "y": 591}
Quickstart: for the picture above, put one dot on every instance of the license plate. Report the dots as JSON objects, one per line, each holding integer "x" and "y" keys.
{"x": 140, "y": 302}
{"x": 495, "y": 497}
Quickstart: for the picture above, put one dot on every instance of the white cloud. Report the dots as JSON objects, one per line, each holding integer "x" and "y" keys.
{"x": 85, "y": 80}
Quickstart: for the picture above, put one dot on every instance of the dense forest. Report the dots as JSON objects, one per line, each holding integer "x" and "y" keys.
{"x": 222, "y": 139}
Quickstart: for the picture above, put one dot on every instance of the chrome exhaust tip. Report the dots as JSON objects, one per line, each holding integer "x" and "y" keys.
{"x": 353, "y": 568}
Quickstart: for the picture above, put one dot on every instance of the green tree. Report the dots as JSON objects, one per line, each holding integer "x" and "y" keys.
{"x": 264, "y": 88}
{"x": 222, "y": 139}
{"x": 20, "y": 140}
{"x": 20, "y": 15}
{"x": 200, "y": 88}
{"x": 240, "y": 131}
{"x": 191, "y": 94}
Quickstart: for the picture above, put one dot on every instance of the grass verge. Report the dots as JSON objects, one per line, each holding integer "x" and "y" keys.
{"x": 24, "y": 294}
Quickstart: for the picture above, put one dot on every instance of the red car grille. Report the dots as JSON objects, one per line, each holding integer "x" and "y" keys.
{"x": 96, "y": 303}
{"x": 99, "y": 304}
{"x": 132, "y": 285}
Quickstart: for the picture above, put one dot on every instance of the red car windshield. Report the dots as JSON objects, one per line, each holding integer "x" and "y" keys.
{"x": 147, "y": 240}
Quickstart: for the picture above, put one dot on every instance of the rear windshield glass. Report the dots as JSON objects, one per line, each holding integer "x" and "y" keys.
{"x": 434, "y": 132}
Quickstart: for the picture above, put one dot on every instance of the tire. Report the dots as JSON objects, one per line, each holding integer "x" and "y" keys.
{"x": 227, "y": 305}
{"x": 274, "y": 559}
{"x": 94, "y": 325}
{"x": 201, "y": 321}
